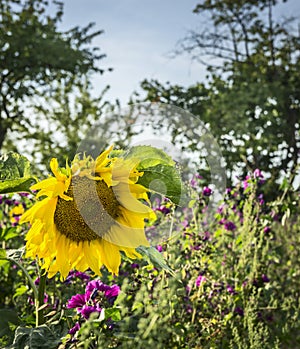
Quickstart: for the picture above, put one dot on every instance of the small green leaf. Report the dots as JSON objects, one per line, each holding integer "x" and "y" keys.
{"x": 164, "y": 180}
{"x": 20, "y": 290}
{"x": 8, "y": 233}
{"x": 154, "y": 257}
{"x": 2, "y": 253}
{"x": 149, "y": 156}
{"x": 113, "y": 313}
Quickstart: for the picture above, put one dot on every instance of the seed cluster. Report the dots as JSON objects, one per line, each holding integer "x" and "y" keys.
{"x": 90, "y": 214}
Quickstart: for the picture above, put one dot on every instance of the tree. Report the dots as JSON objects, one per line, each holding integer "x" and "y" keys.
{"x": 251, "y": 100}
{"x": 36, "y": 58}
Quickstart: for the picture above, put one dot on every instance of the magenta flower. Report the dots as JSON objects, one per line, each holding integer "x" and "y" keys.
{"x": 257, "y": 173}
{"x": 159, "y": 248}
{"x": 89, "y": 302}
{"x": 77, "y": 301}
{"x": 87, "y": 310}
{"x": 96, "y": 285}
{"x": 74, "y": 329}
{"x": 163, "y": 209}
{"x": 230, "y": 289}
{"x": 206, "y": 191}
{"x": 200, "y": 279}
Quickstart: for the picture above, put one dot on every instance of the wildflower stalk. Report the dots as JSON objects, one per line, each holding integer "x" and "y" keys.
{"x": 30, "y": 281}
{"x": 39, "y": 301}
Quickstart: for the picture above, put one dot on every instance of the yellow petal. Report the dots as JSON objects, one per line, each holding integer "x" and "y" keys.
{"x": 110, "y": 255}
{"x": 102, "y": 159}
{"x": 123, "y": 235}
{"x": 92, "y": 256}
{"x": 54, "y": 168}
{"x": 131, "y": 252}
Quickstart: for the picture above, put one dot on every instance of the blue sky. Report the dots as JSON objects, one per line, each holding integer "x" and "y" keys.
{"x": 139, "y": 35}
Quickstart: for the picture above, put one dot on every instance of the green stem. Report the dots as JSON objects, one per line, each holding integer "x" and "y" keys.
{"x": 39, "y": 301}
{"x": 31, "y": 282}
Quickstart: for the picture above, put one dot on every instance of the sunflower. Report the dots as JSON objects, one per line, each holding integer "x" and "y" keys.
{"x": 89, "y": 213}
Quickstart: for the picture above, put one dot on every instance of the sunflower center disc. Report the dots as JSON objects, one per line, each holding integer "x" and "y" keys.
{"x": 90, "y": 214}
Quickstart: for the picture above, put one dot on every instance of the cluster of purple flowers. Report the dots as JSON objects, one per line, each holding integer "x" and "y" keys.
{"x": 228, "y": 225}
{"x": 96, "y": 297}
{"x": 73, "y": 275}
{"x": 257, "y": 176}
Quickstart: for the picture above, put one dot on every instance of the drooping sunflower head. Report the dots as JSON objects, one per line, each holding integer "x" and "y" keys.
{"x": 89, "y": 213}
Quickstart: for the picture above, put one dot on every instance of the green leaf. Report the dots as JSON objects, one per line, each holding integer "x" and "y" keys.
{"x": 35, "y": 338}
{"x": 154, "y": 257}
{"x": 113, "y": 313}
{"x": 8, "y": 233}
{"x": 7, "y": 317}
{"x": 14, "y": 165}
{"x": 20, "y": 290}
{"x": 15, "y": 175}
{"x": 160, "y": 173}
{"x": 149, "y": 156}
{"x": 164, "y": 180}
{"x": 2, "y": 253}
{"x": 16, "y": 185}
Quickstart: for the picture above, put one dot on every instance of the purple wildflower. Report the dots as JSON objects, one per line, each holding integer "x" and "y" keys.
{"x": 200, "y": 279}
{"x": 257, "y": 173}
{"x": 228, "y": 190}
{"x": 239, "y": 311}
{"x": 206, "y": 191}
{"x": 267, "y": 229}
{"x": 74, "y": 329}
{"x": 230, "y": 226}
{"x": 82, "y": 276}
{"x": 222, "y": 221}
{"x": 230, "y": 289}
{"x": 206, "y": 236}
{"x": 87, "y": 310}
{"x": 163, "y": 209}
{"x": 261, "y": 199}
{"x": 159, "y": 248}
{"x": 24, "y": 194}
{"x": 77, "y": 301}
{"x": 265, "y": 278}
{"x": 246, "y": 182}
{"x": 135, "y": 266}
{"x": 97, "y": 285}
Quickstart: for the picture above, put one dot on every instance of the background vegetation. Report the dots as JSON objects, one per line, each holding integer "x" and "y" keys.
{"x": 231, "y": 281}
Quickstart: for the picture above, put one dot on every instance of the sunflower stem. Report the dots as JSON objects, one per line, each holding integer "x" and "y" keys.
{"x": 40, "y": 320}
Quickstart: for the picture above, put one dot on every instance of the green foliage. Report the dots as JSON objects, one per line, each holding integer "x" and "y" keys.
{"x": 35, "y": 338}
{"x": 231, "y": 286}
{"x": 149, "y": 156}
{"x": 36, "y": 59}
{"x": 160, "y": 174}
{"x": 154, "y": 258}
{"x": 251, "y": 98}
{"x": 15, "y": 174}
